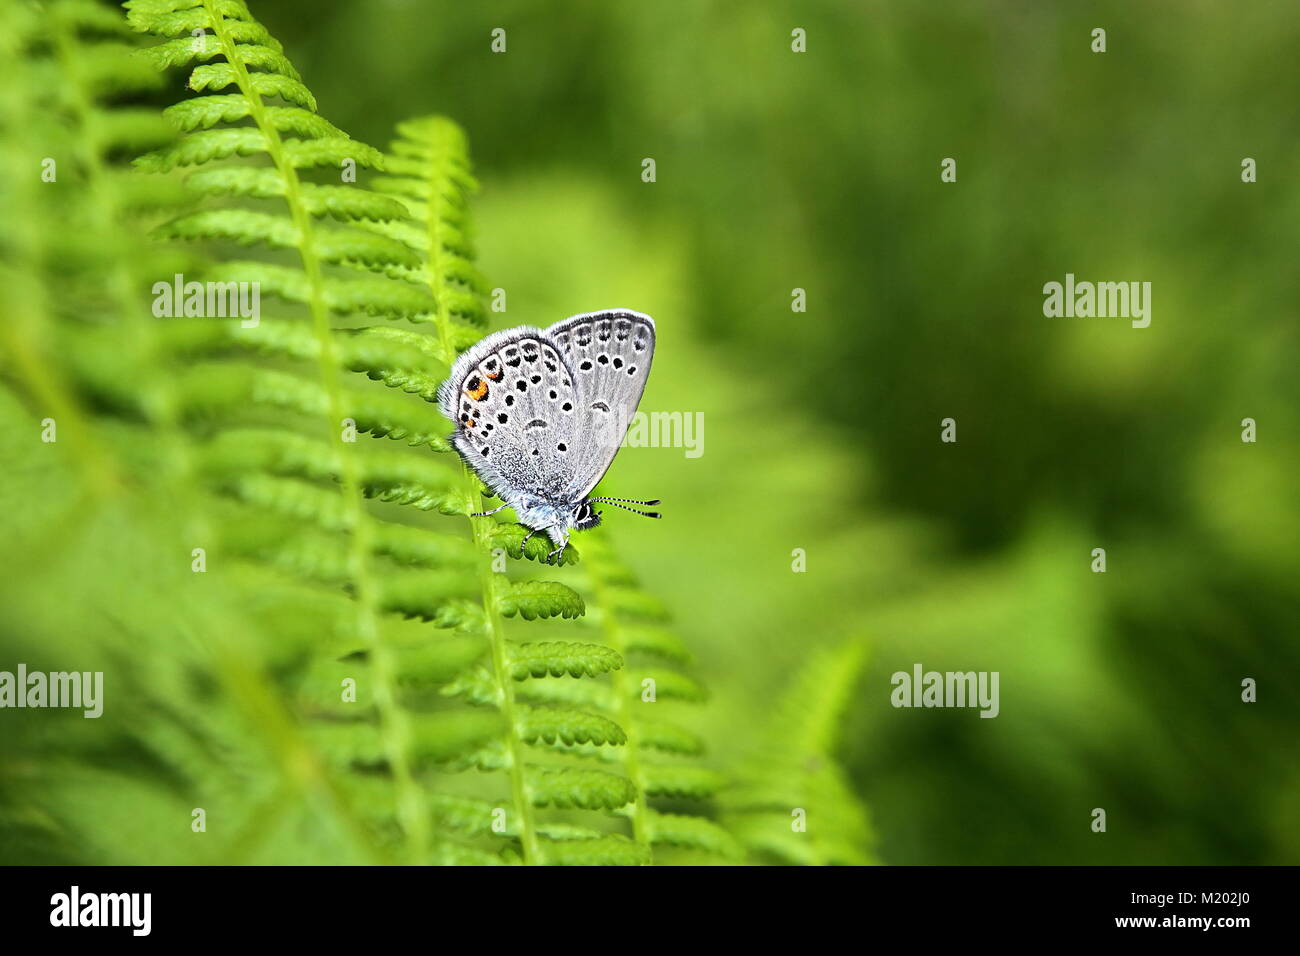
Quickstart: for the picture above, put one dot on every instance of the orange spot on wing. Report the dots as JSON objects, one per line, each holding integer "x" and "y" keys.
{"x": 478, "y": 393}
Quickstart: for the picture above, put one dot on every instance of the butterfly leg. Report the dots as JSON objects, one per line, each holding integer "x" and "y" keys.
{"x": 484, "y": 514}
{"x": 525, "y": 541}
{"x": 560, "y": 538}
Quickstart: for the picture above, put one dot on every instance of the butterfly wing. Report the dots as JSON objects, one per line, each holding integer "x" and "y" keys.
{"x": 610, "y": 353}
{"x": 514, "y": 400}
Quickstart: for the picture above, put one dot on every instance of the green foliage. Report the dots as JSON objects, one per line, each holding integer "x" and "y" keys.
{"x": 558, "y": 658}
{"x": 1071, "y": 437}
{"x": 310, "y": 632}
{"x": 648, "y": 692}
{"x": 792, "y": 800}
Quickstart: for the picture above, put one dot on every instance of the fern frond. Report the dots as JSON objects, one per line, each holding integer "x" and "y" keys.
{"x": 792, "y": 801}
{"x": 246, "y": 227}
{"x": 222, "y": 389}
{"x": 395, "y": 357}
{"x": 672, "y": 685}
{"x": 586, "y": 694}
{"x": 669, "y": 738}
{"x": 435, "y": 663}
{"x": 540, "y": 599}
{"x": 689, "y": 832}
{"x": 696, "y": 783}
{"x": 561, "y": 658}
{"x": 657, "y": 642}
{"x": 635, "y": 624}
{"x": 423, "y": 594}
{"x": 551, "y": 724}
{"x": 246, "y": 61}
{"x": 453, "y": 854}
{"x": 204, "y": 147}
{"x": 371, "y": 296}
{"x": 431, "y": 159}
{"x": 561, "y": 845}
{"x": 221, "y": 76}
{"x": 609, "y": 850}
{"x": 508, "y": 536}
{"x": 345, "y": 203}
{"x": 576, "y": 787}
{"x": 433, "y": 738}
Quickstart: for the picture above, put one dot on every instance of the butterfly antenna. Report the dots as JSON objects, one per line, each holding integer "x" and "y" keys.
{"x": 631, "y": 501}
{"x": 648, "y": 514}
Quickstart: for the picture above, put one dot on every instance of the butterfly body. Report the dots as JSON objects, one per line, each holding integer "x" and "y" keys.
{"x": 540, "y": 413}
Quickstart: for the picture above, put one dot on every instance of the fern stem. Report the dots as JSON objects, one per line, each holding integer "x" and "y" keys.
{"x": 412, "y": 811}
{"x": 505, "y": 691}
{"x": 624, "y": 691}
{"x": 481, "y": 528}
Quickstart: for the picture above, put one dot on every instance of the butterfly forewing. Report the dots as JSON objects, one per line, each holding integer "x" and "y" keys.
{"x": 610, "y": 354}
{"x": 513, "y": 397}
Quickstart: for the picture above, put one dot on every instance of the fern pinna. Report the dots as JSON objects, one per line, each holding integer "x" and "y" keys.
{"x": 279, "y": 403}
{"x": 100, "y": 517}
{"x": 792, "y": 802}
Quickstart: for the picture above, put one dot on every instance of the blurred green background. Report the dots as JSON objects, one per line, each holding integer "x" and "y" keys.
{"x": 778, "y": 170}
{"x": 820, "y": 171}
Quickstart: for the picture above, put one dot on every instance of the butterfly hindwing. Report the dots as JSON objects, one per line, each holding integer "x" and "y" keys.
{"x": 610, "y": 354}
{"x": 513, "y": 397}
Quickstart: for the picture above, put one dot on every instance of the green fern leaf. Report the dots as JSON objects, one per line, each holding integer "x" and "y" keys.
{"x": 345, "y": 203}
{"x": 655, "y": 642}
{"x": 562, "y": 658}
{"x": 133, "y": 130}
{"x": 434, "y": 663}
{"x": 398, "y": 358}
{"x": 373, "y": 296}
{"x": 219, "y": 76}
{"x": 635, "y": 604}
{"x": 679, "y": 781}
{"x": 436, "y": 738}
{"x": 204, "y": 147}
{"x": 454, "y": 854}
{"x": 695, "y": 833}
{"x": 668, "y": 738}
{"x": 532, "y": 600}
{"x": 609, "y": 850}
{"x": 330, "y": 151}
{"x": 509, "y": 536}
{"x": 795, "y": 772}
{"x": 422, "y": 594}
{"x": 204, "y": 112}
{"x": 207, "y": 390}
{"x": 419, "y": 546}
{"x": 109, "y": 70}
{"x": 586, "y": 694}
{"x": 568, "y": 787}
{"x": 671, "y": 684}
{"x": 550, "y": 724}
{"x": 90, "y": 16}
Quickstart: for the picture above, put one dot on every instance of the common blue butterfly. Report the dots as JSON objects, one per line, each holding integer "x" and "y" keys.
{"x": 540, "y": 415}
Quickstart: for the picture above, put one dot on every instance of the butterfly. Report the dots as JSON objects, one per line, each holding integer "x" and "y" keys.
{"x": 541, "y": 413}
